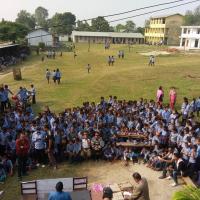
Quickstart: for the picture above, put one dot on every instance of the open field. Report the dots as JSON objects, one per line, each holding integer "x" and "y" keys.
{"x": 130, "y": 78}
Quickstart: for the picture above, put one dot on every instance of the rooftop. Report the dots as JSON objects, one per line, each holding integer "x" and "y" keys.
{"x": 107, "y": 34}
{"x": 165, "y": 16}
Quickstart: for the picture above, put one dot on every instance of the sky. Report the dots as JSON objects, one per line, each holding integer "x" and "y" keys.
{"x": 84, "y": 9}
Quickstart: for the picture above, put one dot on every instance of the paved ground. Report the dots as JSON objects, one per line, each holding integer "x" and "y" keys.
{"x": 115, "y": 173}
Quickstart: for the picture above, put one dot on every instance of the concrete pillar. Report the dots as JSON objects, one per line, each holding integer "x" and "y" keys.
{"x": 181, "y": 42}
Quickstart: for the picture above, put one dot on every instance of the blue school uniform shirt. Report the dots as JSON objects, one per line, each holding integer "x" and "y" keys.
{"x": 59, "y": 196}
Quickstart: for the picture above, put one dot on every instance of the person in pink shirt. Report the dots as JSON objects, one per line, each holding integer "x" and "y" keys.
{"x": 172, "y": 97}
{"x": 160, "y": 95}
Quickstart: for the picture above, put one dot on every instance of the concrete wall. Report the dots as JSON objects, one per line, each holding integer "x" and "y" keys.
{"x": 37, "y": 36}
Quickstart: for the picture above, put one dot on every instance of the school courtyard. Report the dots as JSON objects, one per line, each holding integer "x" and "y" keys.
{"x": 129, "y": 78}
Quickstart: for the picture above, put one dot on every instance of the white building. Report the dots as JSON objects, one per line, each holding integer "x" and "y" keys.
{"x": 102, "y": 37}
{"x": 190, "y": 37}
{"x": 40, "y": 35}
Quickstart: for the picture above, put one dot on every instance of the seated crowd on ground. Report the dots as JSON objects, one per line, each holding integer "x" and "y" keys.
{"x": 13, "y": 57}
{"x": 92, "y": 131}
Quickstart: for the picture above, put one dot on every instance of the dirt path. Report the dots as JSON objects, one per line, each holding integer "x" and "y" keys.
{"x": 107, "y": 173}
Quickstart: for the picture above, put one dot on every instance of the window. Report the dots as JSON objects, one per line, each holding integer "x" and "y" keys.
{"x": 185, "y": 30}
{"x": 198, "y": 31}
{"x": 196, "y": 44}
{"x": 189, "y": 31}
{"x": 163, "y": 21}
{"x": 183, "y": 42}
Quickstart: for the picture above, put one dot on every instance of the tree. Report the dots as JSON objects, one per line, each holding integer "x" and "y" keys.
{"x": 10, "y": 31}
{"x": 62, "y": 23}
{"x": 192, "y": 17}
{"x": 120, "y": 27}
{"x": 41, "y": 15}
{"x": 130, "y": 27}
{"x": 25, "y": 18}
{"x": 100, "y": 25}
{"x": 83, "y": 26}
{"x": 140, "y": 30}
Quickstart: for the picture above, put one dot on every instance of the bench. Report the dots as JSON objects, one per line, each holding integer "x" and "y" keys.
{"x": 136, "y": 145}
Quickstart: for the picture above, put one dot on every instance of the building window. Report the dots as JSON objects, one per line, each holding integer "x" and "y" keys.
{"x": 185, "y": 30}
{"x": 189, "y": 31}
{"x": 198, "y": 31}
{"x": 163, "y": 21}
{"x": 196, "y": 44}
{"x": 183, "y": 42}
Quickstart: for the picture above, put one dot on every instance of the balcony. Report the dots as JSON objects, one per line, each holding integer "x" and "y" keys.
{"x": 157, "y": 25}
{"x": 154, "y": 34}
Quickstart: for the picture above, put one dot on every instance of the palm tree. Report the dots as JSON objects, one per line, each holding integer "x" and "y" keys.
{"x": 188, "y": 193}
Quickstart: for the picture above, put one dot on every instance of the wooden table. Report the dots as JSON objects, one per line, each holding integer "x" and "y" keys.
{"x": 132, "y": 136}
{"x": 131, "y": 144}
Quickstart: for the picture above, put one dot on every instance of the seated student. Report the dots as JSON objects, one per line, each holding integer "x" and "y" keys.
{"x": 69, "y": 152}
{"x": 76, "y": 150}
{"x": 86, "y": 143}
{"x": 108, "y": 152}
{"x": 59, "y": 194}
{"x": 7, "y": 164}
{"x": 2, "y": 174}
{"x": 97, "y": 145}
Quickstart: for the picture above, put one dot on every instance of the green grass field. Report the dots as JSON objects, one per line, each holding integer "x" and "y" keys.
{"x": 130, "y": 78}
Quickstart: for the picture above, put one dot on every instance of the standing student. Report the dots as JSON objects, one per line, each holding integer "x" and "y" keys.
{"x": 48, "y": 75}
{"x": 151, "y": 60}
{"x": 33, "y": 93}
{"x": 22, "y": 148}
{"x": 7, "y": 91}
{"x": 75, "y": 54}
{"x": 109, "y": 60}
{"x": 58, "y": 76}
{"x": 88, "y": 68}
{"x": 50, "y": 149}
{"x": 122, "y": 54}
{"x": 172, "y": 97}
{"x": 160, "y": 95}
{"x": 112, "y": 60}
{"x": 54, "y": 76}
{"x": 119, "y": 54}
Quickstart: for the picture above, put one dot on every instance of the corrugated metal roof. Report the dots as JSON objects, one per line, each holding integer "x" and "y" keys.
{"x": 165, "y": 16}
{"x": 108, "y": 34}
{"x": 7, "y": 45}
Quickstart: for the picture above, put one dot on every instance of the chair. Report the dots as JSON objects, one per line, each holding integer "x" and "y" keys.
{"x": 80, "y": 183}
{"x": 29, "y": 190}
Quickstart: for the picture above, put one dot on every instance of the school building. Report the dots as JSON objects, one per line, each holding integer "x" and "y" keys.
{"x": 190, "y": 37}
{"x": 164, "y": 29}
{"x": 103, "y": 37}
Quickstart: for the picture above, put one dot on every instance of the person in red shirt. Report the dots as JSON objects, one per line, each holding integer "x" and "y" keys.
{"x": 22, "y": 149}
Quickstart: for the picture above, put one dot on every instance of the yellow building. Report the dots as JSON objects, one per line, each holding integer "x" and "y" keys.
{"x": 164, "y": 29}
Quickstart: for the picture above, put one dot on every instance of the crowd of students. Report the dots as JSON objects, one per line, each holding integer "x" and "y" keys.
{"x": 13, "y": 57}
{"x": 91, "y": 131}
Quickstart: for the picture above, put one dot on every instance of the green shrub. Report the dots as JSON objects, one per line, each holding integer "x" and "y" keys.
{"x": 188, "y": 193}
